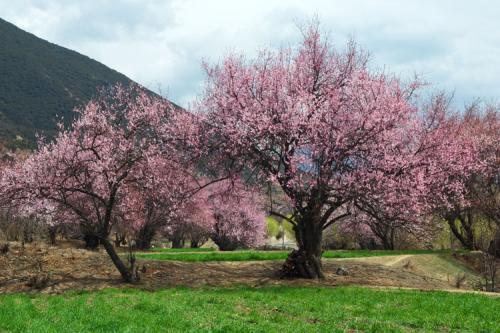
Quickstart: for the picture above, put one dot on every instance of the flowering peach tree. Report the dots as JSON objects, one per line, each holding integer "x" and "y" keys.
{"x": 326, "y": 129}
{"x": 87, "y": 171}
{"x": 238, "y": 216}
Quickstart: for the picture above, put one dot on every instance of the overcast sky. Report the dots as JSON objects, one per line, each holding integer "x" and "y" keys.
{"x": 455, "y": 45}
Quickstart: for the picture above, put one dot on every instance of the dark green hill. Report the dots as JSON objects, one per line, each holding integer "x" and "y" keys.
{"x": 41, "y": 81}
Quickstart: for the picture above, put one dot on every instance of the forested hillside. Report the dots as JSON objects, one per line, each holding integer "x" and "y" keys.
{"x": 41, "y": 81}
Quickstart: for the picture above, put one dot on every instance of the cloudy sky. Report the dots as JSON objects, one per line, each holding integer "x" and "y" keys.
{"x": 455, "y": 45}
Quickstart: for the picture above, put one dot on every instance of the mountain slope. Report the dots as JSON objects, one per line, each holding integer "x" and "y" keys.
{"x": 40, "y": 82}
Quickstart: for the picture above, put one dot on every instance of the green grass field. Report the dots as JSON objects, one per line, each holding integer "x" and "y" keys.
{"x": 184, "y": 249}
{"x": 167, "y": 254}
{"x": 243, "y": 309}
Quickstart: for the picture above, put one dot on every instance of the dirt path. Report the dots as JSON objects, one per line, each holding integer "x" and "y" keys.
{"x": 396, "y": 260}
{"x": 70, "y": 269}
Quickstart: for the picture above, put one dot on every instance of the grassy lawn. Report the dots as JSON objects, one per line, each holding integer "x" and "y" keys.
{"x": 184, "y": 249}
{"x": 242, "y": 309}
{"x": 266, "y": 255}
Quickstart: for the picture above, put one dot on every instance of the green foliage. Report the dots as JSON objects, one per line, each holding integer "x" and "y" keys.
{"x": 335, "y": 239}
{"x": 274, "y": 229}
{"x": 271, "y": 255}
{"x": 290, "y": 234}
{"x": 245, "y": 309}
{"x": 41, "y": 82}
{"x": 442, "y": 239}
{"x": 184, "y": 249}
{"x": 483, "y": 229}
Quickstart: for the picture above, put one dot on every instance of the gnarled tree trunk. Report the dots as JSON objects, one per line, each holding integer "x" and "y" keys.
{"x": 463, "y": 231}
{"x": 305, "y": 262}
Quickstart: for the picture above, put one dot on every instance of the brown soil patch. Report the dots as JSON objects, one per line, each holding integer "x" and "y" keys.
{"x": 70, "y": 268}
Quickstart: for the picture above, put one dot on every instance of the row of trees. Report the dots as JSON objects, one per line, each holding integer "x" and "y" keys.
{"x": 342, "y": 144}
{"x": 121, "y": 166}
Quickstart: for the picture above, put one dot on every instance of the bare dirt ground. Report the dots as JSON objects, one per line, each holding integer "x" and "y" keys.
{"x": 65, "y": 268}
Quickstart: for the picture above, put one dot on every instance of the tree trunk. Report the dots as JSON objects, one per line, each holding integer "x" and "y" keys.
{"x": 177, "y": 242}
{"x": 52, "y": 235}
{"x": 368, "y": 243}
{"x": 494, "y": 247}
{"x": 384, "y": 232}
{"x": 464, "y": 233}
{"x": 468, "y": 223}
{"x": 91, "y": 241}
{"x": 145, "y": 237}
{"x": 388, "y": 240}
{"x": 225, "y": 243}
{"x": 306, "y": 261}
{"x": 126, "y": 273}
{"x": 197, "y": 241}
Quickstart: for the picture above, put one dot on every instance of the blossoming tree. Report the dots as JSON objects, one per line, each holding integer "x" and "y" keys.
{"x": 238, "y": 216}
{"x": 229, "y": 212}
{"x": 419, "y": 161}
{"x": 315, "y": 121}
{"x": 86, "y": 169}
{"x": 478, "y": 127}
{"x": 160, "y": 192}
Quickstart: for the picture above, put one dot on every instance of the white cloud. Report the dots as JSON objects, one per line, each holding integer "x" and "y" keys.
{"x": 454, "y": 44}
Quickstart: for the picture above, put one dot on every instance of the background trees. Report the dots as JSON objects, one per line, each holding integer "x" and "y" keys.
{"x": 155, "y": 198}
{"x": 238, "y": 216}
{"x": 480, "y": 125}
{"x": 229, "y": 212}
{"x": 194, "y": 222}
